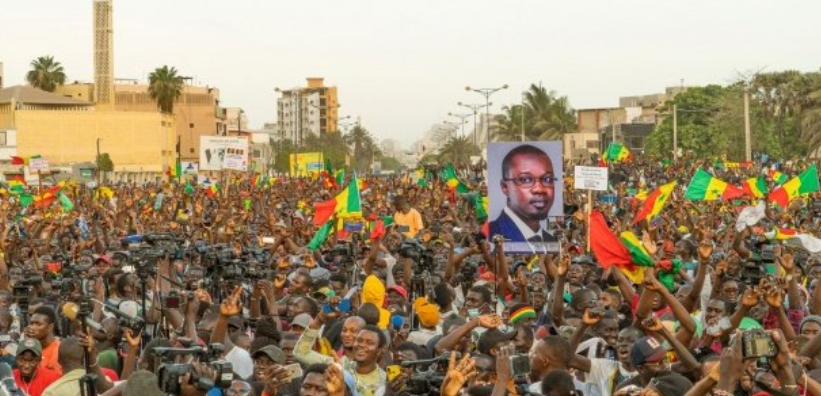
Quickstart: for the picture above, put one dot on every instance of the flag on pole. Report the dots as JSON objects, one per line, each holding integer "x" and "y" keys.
{"x": 654, "y": 203}
{"x": 615, "y": 153}
{"x": 19, "y": 160}
{"x": 421, "y": 179}
{"x": 755, "y": 187}
{"x": 610, "y": 251}
{"x": 705, "y": 187}
{"x": 346, "y": 204}
{"x": 65, "y": 202}
{"x": 453, "y": 181}
{"x": 804, "y": 183}
{"x": 778, "y": 177}
{"x": 320, "y": 237}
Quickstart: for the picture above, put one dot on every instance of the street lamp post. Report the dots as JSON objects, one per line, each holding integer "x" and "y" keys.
{"x": 463, "y": 118}
{"x": 475, "y": 109}
{"x": 486, "y": 92}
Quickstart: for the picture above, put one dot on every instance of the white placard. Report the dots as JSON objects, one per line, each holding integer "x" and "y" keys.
{"x": 223, "y": 152}
{"x": 590, "y": 178}
{"x": 38, "y": 164}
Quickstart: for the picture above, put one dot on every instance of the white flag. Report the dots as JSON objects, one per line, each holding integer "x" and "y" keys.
{"x": 751, "y": 215}
{"x": 806, "y": 242}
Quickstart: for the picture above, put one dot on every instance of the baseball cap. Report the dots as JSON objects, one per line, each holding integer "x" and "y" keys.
{"x": 302, "y": 320}
{"x": 30, "y": 344}
{"x": 491, "y": 338}
{"x": 647, "y": 350}
{"x": 102, "y": 257}
{"x": 669, "y": 383}
{"x": 324, "y": 291}
{"x": 399, "y": 289}
{"x": 272, "y": 351}
{"x": 236, "y": 321}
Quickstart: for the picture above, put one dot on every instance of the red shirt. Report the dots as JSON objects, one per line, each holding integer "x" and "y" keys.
{"x": 42, "y": 379}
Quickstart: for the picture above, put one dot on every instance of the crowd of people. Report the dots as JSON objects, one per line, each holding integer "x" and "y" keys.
{"x": 232, "y": 292}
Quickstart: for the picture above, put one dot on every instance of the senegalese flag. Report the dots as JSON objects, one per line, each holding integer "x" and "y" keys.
{"x": 453, "y": 181}
{"x": 328, "y": 166}
{"x": 105, "y": 192}
{"x": 778, "y": 177}
{"x": 610, "y": 251}
{"x": 421, "y": 180}
{"x": 321, "y": 236}
{"x": 175, "y": 171}
{"x": 654, "y": 203}
{"x": 781, "y": 234}
{"x": 17, "y": 184}
{"x": 346, "y": 204}
{"x": 804, "y": 183}
{"x": 46, "y": 197}
{"x": 339, "y": 175}
{"x": 19, "y": 160}
{"x": 705, "y": 187}
{"x": 212, "y": 190}
{"x": 65, "y": 202}
{"x": 755, "y": 187}
{"x": 615, "y": 153}
{"x": 639, "y": 256}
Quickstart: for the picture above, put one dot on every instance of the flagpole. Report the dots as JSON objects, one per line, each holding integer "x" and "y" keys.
{"x": 589, "y": 212}
{"x": 39, "y": 182}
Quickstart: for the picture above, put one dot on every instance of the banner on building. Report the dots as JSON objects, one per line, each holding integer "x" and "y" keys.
{"x": 525, "y": 186}
{"x": 223, "y": 152}
{"x": 304, "y": 164}
{"x": 38, "y": 164}
{"x": 189, "y": 168}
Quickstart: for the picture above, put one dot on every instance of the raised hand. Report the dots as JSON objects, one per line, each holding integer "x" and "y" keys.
{"x": 458, "y": 374}
{"x": 750, "y": 298}
{"x": 491, "y": 321}
{"x": 592, "y": 316}
{"x": 564, "y": 266}
{"x": 232, "y": 306}
{"x": 652, "y": 324}
{"x": 133, "y": 338}
{"x": 335, "y": 380}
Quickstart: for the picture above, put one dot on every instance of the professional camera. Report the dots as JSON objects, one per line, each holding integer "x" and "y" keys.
{"x": 170, "y": 373}
{"x": 758, "y": 344}
{"x": 467, "y": 274}
{"x": 428, "y": 375}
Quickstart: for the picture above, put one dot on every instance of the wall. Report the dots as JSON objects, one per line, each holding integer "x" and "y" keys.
{"x": 136, "y": 141}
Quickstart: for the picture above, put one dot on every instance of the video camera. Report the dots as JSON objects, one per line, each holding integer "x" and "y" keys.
{"x": 428, "y": 375}
{"x": 171, "y": 371}
{"x": 421, "y": 256}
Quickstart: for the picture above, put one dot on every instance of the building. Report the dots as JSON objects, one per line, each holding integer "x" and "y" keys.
{"x": 630, "y": 124}
{"x": 435, "y": 138}
{"x": 66, "y": 132}
{"x": 313, "y": 109}
{"x": 236, "y": 121}
{"x": 262, "y": 154}
{"x": 196, "y": 112}
{"x": 1, "y": 75}
{"x": 104, "y": 52}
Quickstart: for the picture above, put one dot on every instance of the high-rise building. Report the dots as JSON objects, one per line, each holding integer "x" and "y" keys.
{"x": 307, "y": 110}
{"x": 104, "y": 52}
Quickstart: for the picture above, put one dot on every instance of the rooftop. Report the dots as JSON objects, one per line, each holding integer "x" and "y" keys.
{"x": 29, "y": 95}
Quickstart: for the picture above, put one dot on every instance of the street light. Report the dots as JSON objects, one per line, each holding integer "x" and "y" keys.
{"x": 486, "y": 92}
{"x": 475, "y": 109}
{"x": 462, "y": 117}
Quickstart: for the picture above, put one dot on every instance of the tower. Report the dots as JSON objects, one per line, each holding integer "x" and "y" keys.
{"x": 104, "y": 52}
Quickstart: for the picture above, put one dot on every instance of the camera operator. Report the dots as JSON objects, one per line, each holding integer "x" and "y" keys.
{"x": 71, "y": 359}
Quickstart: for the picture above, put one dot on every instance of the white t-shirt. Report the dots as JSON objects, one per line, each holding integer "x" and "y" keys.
{"x": 241, "y": 361}
{"x": 602, "y": 375}
{"x": 422, "y": 336}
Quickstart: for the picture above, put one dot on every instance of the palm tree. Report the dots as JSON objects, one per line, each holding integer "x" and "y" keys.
{"x": 46, "y": 74}
{"x": 165, "y": 86}
{"x": 363, "y": 147}
{"x": 811, "y": 117}
{"x": 550, "y": 115}
{"x": 457, "y": 151}
{"x": 510, "y": 124}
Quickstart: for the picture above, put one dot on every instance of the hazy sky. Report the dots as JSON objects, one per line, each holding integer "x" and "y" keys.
{"x": 402, "y": 66}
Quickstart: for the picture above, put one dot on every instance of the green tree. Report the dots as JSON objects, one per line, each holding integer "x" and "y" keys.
{"x": 391, "y": 164}
{"x": 282, "y": 155}
{"x": 104, "y": 163}
{"x": 364, "y": 149}
{"x": 165, "y": 87}
{"x": 546, "y": 116}
{"x": 46, "y": 73}
{"x": 457, "y": 151}
{"x": 332, "y": 145}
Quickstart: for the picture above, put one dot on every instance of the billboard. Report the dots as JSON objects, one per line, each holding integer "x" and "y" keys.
{"x": 525, "y": 189}
{"x": 303, "y": 164}
{"x": 223, "y": 152}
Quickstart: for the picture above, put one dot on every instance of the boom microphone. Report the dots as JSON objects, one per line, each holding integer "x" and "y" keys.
{"x": 70, "y": 310}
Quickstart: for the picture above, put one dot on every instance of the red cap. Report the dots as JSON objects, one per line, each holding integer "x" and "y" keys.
{"x": 399, "y": 289}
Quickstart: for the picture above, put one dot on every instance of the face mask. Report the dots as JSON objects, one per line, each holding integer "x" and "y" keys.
{"x": 473, "y": 313}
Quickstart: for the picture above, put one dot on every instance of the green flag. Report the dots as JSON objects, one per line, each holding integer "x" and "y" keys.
{"x": 68, "y": 206}
{"x": 26, "y": 200}
{"x": 189, "y": 189}
{"x": 320, "y": 236}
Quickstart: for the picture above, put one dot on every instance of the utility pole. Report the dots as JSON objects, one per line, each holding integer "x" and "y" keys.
{"x": 675, "y": 133}
{"x": 98, "y": 162}
{"x": 748, "y": 148}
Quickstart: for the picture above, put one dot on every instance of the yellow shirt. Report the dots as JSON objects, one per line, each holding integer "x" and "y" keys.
{"x": 413, "y": 220}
